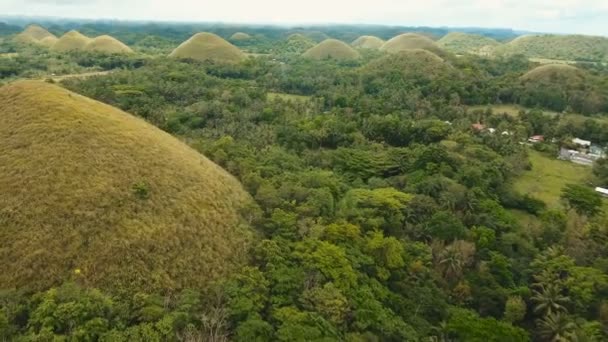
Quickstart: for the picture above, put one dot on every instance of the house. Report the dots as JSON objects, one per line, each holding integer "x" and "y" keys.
{"x": 581, "y": 142}
{"x": 536, "y": 139}
{"x": 602, "y": 191}
{"x": 577, "y": 156}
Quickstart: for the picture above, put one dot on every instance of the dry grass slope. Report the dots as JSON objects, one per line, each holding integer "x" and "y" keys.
{"x": 410, "y": 41}
{"x": 48, "y": 41}
{"x": 332, "y": 48}
{"x": 458, "y": 42}
{"x": 240, "y": 36}
{"x": 71, "y": 41}
{"x": 33, "y": 34}
{"x": 416, "y": 63}
{"x": 368, "y": 42}
{"x": 107, "y": 45}
{"x": 88, "y": 187}
{"x": 208, "y": 46}
{"x": 555, "y": 73}
{"x": 560, "y": 47}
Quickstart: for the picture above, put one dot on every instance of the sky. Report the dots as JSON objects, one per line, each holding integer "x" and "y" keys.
{"x": 559, "y": 16}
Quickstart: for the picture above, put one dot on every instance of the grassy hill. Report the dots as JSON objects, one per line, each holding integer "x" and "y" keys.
{"x": 92, "y": 193}
{"x": 368, "y": 42}
{"x": 208, "y": 46}
{"x": 48, "y": 41}
{"x": 238, "y": 36}
{"x": 410, "y": 41}
{"x": 555, "y": 72}
{"x": 458, "y": 42}
{"x": 409, "y": 62}
{"x": 332, "y": 48}
{"x": 107, "y": 45}
{"x": 71, "y": 41}
{"x": 33, "y": 34}
{"x": 562, "y": 47}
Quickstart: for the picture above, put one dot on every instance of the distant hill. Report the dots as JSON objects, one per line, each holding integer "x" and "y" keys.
{"x": 208, "y": 46}
{"x": 107, "y": 45}
{"x": 48, "y": 41}
{"x": 368, "y": 42}
{"x": 6, "y": 29}
{"x": 93, "y": 194}
{"x": 563, "y": 87}
{"x": 458, "y": 42}
{"x": 71, "y": 41}
{"x": 563, "y": 47}
{"x": 295, "y": 43}
{"x": 332, "y": 48}
{"x": 33, "y": 34}
{"x": 240, "y": 36}
{"x": 410, "y": 41}
{"x": 410, "y": 64}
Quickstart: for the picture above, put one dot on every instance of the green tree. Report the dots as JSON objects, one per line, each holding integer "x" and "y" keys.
{"x": 556, "y": 327}
{"x": 582, "y": 199}
{"x": 515, "y": 309}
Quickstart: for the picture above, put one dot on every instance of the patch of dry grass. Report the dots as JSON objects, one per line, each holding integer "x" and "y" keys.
{"x": 33, "y": 34}
{"x": 86, "y": 186}
{"x": 410, "y": 41}
{"x": 208, "y": 46}
{"x": 107, "y": 45}
{"x": 71, "y": 41}
{"x": 459, "y": 42}
{"x": 332, "y": 48}
{"x": 368, "y": 42}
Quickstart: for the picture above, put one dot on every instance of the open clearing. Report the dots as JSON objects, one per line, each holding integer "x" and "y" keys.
{"x": 60, "y": 78}
{"x": 548, "y": 176}
{"x": 287, "y": 97}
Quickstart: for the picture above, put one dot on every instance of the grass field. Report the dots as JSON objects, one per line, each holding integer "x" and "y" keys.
{"x": 548, "y": 176}
{"x": 287, "y": 97}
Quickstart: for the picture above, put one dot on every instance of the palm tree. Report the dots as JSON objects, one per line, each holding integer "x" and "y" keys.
{"x": 556, "y": 327}
{"x": 549, "y": 299}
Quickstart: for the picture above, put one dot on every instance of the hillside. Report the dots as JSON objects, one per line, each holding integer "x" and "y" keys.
{"x": 107, "y": 45}
{"x": 48, "y": 41}
{"x": 562, "y": 47}
{"x": 413, "y": 64}
{"x": 409, "y": 41}
{"x": 368, "y": 42}
{"x": 33, "y": 34}
{"x": 71, "y": 41}
{"x": 458, "y": 42}
{"x": 91, "y": 192}
{"x": 560, "y": 86}
{"x": 331, "y": 48}
{"x": 240, "y": 36}
{"x": 208, "y": 46}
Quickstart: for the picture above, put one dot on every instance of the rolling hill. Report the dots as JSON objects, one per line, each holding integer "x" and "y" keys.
{"x": 239, "y": 36}
{"x": 409, "y": 64}
{"x": 48, "y": 41}
{"x": 332, "y": 48}
{"x": 458, "y": 42}
{"x": 107, "y": 45}
{"x": 208, "y": 46}
{"x": 93, "y": 194}
{"x": 33, "y": 34}
{"x": 410, "y": 41}
{"x": 561, "y": 47}
{"x": 71, "y": 41}
{"x": 368, "y": 42}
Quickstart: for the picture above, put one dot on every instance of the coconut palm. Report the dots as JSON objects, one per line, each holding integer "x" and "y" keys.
{"x": 556, "y": 327}
{"x": 549, "y": 299}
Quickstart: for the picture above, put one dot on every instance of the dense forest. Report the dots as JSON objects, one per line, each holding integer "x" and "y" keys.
{"x": 382, "y": 213}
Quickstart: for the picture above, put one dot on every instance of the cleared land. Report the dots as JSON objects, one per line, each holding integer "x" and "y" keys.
{"x": 549, "y": 176}
{"x": 287, "y": 97}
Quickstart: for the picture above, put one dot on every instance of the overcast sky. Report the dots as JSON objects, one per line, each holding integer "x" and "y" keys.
{"x": 563, "y": 16}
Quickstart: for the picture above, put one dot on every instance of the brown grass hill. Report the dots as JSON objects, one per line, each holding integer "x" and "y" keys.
{"x": 368, "y": 42}
{"x": 458, "y": 42}
{"x": 409, "y": 64}
{"x": 93, "y": 194}
{"x": 48, "y": 41}
{"x": 208, "y": 46}
{"x": 332, "y": 49}
{"x": 107, "y": 45}
{"x": 33, "y": 34}
{"x": 240, "y": 36}
{"x": 71, "y": 41}
{"x": 560, "y": 86}
{"x": 561, "y": 47}
{"x": 410, "y": 41}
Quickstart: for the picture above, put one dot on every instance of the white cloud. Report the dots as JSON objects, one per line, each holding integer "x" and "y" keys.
{"x": 575, "y": 16}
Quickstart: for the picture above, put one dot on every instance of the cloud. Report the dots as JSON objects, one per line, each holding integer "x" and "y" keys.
{"x": 575, "y": 16}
